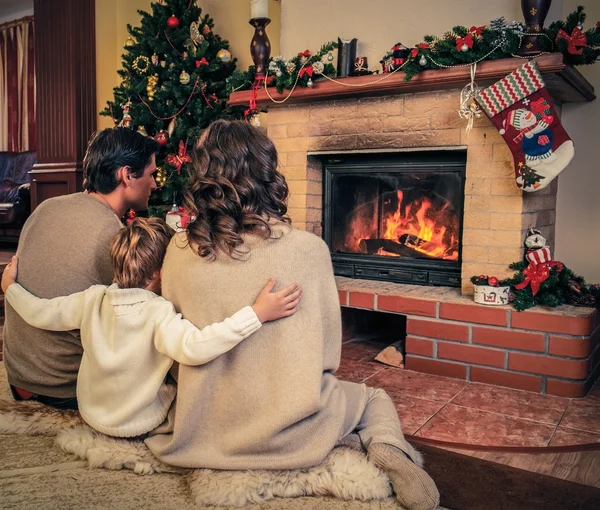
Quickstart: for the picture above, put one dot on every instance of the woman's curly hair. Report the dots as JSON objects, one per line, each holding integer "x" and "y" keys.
{"x": 234, "y": 188}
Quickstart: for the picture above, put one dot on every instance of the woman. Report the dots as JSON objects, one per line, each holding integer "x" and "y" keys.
{"x": 273, "y": 401}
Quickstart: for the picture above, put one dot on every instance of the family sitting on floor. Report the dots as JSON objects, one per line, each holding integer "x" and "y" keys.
{"x": 253, "y": 386}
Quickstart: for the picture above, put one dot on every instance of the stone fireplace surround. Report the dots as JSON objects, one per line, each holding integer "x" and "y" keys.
{"x": 553, "y": 351}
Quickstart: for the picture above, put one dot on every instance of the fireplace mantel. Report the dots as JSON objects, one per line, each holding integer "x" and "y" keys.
{"x": 565, "y": 83}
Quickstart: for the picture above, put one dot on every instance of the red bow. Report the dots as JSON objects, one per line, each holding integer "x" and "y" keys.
{"x": 200, "y": 62}
{"x": 305, "y": 53}
{"x": 476, "y": 30}
{"x": 468, "y": 40}
{"x": 414, "y": 52}
{"x": 424, "y": 46}
{"x": 577, "y": 38}
{"x": 176, "y": 160}
{"x": 306, "y": 70}
{"x": 535, "y": 274}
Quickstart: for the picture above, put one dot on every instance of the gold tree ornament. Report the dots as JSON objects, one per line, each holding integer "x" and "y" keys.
{"x": 171, "y": 128}
{"x": 184, "y": 78}
{"x": 151, "y": 86}
{"x": 141, "y": 64}
{"x": 129, "y": 42}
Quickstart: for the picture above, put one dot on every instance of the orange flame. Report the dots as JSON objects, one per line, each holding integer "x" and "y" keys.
{"x": 433, "y": 230}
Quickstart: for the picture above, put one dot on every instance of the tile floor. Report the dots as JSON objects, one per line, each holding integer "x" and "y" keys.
{"x": 458, "y": 411}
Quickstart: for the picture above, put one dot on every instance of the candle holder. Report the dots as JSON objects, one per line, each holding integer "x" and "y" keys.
{"x": 260, "y": 46}
{"x": 534, "y": 13}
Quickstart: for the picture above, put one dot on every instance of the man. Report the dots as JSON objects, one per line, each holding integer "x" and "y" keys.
{"x": 65, "y": 248}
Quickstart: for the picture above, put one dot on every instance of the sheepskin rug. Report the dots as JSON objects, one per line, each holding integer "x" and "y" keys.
{"x": 345, "y": 473}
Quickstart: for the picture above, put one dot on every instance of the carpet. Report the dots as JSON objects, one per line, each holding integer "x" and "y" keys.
{"x": 345, "y": 474}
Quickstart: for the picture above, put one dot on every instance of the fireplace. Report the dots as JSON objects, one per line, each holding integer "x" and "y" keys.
{"x": 397, "y": 216}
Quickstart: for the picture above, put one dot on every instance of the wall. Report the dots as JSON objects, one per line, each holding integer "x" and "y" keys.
{"x": 380, "y": 24}
{"x": 578, "y": 206}
{"x": 231, "y": 22}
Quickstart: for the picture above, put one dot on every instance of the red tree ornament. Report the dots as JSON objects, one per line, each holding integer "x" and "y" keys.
{"x": 493, "y": 281}
{"x": 176, "y": 160}
{"x": 173, "y": 22}
{"x": 161, "y": 137}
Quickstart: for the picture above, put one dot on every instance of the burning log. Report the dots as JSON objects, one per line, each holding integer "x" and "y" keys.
{"x": 411, "y": 240}
{"x": 372, "y": 246}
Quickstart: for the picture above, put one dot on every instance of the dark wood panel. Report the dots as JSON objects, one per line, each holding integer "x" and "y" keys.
{"x": 65, "y": 47}
{"x": 65, "y": 78}
{"x": 565, "y": 83}
{"x": 45, "y": 184}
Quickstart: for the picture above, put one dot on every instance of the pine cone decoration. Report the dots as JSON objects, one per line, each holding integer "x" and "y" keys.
{"x": 582, "y": 295}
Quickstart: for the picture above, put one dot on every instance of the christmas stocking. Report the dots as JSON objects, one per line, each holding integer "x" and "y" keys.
{"x": 520, "y": 108}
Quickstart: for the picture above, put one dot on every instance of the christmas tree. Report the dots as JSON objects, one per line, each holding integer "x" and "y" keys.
{"x": 175, "y": 82}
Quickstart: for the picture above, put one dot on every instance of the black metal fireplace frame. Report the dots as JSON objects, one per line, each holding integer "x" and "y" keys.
{"x": 371, "y": 267}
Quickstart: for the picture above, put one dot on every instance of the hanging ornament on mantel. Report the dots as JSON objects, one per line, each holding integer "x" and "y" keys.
{"x": 173, "y": 22}
{"x": 422, "y": 61}
{"x": 469, "y": 110}
{"x": 171, "y": 128}
{"x": 254, "y": 119}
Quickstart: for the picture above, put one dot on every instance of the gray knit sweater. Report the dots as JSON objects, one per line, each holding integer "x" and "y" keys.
{"x": 272, "y": 402}
{"x": 64, "y": 248}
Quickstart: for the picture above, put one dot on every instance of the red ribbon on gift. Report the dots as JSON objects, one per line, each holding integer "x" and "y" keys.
{"x": 476, "y": 30}
{"x": 539, "y": 107}
{"x": 468, "y": 40}
{"x": 535, "y": 274}
{"x": 176, "y": 160}
{"x": 306, "y": 70}
{"x": 577, "y": 40}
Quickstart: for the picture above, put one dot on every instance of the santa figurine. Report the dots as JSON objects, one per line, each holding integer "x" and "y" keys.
{"x": 533, "y": 132}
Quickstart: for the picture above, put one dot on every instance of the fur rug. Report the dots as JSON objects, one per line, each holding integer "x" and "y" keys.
{"x": 345, "y": 473}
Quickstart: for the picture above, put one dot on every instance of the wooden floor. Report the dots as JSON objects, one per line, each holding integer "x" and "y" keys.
{"x": 579, "y": 467}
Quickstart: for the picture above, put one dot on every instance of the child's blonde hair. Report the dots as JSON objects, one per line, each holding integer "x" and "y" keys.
{"x": 138, "y": 250}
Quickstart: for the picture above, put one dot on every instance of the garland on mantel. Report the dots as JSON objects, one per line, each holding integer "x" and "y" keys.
{"x": 460, "y": 47}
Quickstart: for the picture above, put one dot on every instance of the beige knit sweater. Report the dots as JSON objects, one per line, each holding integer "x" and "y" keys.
{"x": 272, "y": 402}
{"x": 64, "y": 248}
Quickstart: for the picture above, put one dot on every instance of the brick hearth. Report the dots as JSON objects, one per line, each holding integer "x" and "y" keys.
{"x": 556, "y": 352}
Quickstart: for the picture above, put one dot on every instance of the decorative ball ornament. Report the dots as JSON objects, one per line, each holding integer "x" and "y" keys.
{"x": 129, "y": 42}
{"x": 173, "y": 22}
{"x": 184, "y": 78}
{"x": 254, "y": 119}
{"x": 330, "y": 56}
{"x": 151, "y": 86}
{"x": 464, "y": 48}
{"x": 310, "y": 84}
{"x": 162, "y": 138}
{"x": 224, "y": 55}
{"x": 278, "y": 73}
{"x": 422, "y": 61}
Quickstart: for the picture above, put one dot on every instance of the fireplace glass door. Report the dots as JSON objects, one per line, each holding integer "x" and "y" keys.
{"x": 396, "y": 217}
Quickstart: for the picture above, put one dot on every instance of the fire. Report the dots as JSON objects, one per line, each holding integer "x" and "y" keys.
{"x": 419, "y": 225}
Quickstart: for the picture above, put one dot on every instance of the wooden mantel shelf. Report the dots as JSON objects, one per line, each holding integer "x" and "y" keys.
{"x": 564, "y": 82}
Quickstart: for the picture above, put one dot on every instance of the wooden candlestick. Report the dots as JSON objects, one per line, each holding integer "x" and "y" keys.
{"x": 260, "y": 46}
{"x": 534, "y": 13}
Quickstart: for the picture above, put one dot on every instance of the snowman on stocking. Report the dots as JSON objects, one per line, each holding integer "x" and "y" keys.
{"x": 520, "y": 108}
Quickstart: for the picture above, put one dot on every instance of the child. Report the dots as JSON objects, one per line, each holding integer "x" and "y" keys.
{"x": 130, "y": 335}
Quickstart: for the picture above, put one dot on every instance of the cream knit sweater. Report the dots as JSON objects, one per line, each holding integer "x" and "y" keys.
{"x": 130, "y": 338}
{"x": 273, "y": 401}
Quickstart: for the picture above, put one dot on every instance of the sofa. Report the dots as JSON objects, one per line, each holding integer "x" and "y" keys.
{"x": 15, "y": 201}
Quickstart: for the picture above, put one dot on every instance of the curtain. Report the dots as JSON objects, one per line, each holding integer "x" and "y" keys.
{"x": 17, "y": 86}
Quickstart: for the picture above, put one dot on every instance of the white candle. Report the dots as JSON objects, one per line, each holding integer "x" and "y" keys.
{"x": 259, "y": 9}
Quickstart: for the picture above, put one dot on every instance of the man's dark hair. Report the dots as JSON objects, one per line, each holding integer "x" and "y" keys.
{"x": 111, "y": 149}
